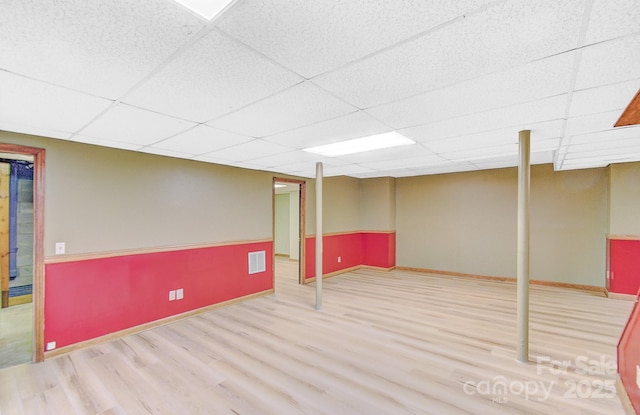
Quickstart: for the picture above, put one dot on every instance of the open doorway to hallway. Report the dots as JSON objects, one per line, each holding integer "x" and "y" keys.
{"x": 16, "y": 258}
{"x": 288, "y": 230}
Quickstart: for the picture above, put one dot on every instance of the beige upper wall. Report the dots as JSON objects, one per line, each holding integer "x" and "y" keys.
{"x": 466, "y": 222}
{"x": 100, "y": 199}
{"x": 341, "y": 205}
{"x": 624, "y": 199}
{"x": 378, "y": 204}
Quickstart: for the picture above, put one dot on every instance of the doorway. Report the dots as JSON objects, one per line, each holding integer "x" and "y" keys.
{"x": 289, "y": 227}
{"x": 22, "y": 255}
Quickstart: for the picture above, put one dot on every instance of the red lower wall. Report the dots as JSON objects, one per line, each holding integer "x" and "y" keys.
{"x": 629, "y": 357}
{"x": 90, "y": 298}
{"x": 624, "y": 266}
{"x": 376, "y": 249}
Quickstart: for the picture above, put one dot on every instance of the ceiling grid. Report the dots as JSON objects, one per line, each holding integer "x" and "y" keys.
{"x": 263, "y": 80}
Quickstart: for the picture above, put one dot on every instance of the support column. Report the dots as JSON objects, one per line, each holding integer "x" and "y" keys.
{"x": 318, "y": 236}
{"x": 524, "y": 182}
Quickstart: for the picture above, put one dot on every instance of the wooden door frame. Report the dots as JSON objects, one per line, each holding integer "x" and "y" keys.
{"x": 302, "y": 209}
{"x": 38, "y": 243}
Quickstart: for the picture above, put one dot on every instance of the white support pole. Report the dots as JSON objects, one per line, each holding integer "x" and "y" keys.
{"x": 318, "y": 236}
{"x": 524, "y": 184}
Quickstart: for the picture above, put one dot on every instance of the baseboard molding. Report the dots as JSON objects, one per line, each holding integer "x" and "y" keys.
{"x": 618, "y": 296}
{"x": 589, "y": 288}
{"x": 21, "y": 299}
{"x": 624, "y": 397}
{"x": 344, "y": 271}
{"x": 151, "y": 324}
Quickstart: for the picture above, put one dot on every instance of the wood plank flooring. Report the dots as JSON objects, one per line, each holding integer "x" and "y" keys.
{"x": 16, "y": 334}
{"x": 384, "y": 343}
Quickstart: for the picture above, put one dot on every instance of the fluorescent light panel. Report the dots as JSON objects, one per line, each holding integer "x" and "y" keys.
{"x": 360, "y": 145}
{"x": 205, "y": 8}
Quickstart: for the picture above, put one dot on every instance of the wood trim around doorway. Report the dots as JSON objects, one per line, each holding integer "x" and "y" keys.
{"x": 303, "y": 216}
{"x": 38, "y": 246}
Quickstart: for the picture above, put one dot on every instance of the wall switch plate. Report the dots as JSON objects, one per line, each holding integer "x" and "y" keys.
{"x": 172, "y": 295}
{"x": 51, "y": 345}
{"x": 61, "y": 248}
{"x": 339, "y": 259}
{"x": 179, "y": 294}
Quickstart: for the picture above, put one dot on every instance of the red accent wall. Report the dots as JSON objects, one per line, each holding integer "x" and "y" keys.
{"x": 624, "y": 266}
{"x": 355, "y": 249}
{"x": 90, "y": 298}
{"x": 629, "y": 356}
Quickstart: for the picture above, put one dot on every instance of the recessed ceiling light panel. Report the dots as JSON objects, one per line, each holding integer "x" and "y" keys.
{"x": 359, "y": 145}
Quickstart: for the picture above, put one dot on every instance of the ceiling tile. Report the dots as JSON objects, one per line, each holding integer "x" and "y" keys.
{"x": 79, "y": 138}
{"x": 200, "y": 140}
{"x": 283, "y": 159}
{"x": 127, "y": 124}
{"x": 591, "y": 123}
{"x": 518, "y": 117}
{"x": 314, "y": 37}
{"x": 348, "y": 170}
{"x": 507, "y": 35}
{"x": 534, "y": 81}
{"x": 604, "y": 98}
{"x": 296, "y": 107}
{"x": 213, "y": 77}
{"x": 354, "y": 125}
{"x": 247, "y": 151}
{"x": 505, "y": 136}
{"x": 167, "y": 153}
{"x": 33, "y": 106}
{"x": 73, "y": 43}
{"x": 611, "y": 19}
{"x": 609, "y": 62}
{"x": 385, "y": 154}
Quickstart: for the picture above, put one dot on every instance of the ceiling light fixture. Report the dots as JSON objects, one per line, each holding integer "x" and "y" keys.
{"x": 206, "y": 8}
{"x": 360, "y": 145}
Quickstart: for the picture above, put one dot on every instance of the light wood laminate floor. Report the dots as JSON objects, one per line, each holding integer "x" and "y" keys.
{"x": 16, "y": 335}
{"x": 384, "y": 343}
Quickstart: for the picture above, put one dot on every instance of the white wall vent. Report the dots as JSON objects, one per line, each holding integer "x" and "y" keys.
{"x": 257, "y": 262}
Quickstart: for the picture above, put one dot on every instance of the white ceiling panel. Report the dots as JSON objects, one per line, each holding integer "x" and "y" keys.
{"x": 269, "y": 78}
{"x": 248, "y": 151}
{"x": 200, "y": 140}
{"x": 402, "y": 152}
{"x": 127, "y": 124}
{"x": 312, "y": 39}
{"x": 509, "y": 34}
{"x": 426, "y": 160}
{"x": 518, "y": 117}
{"x": 296, "y": 107}
{"x": 609, "y": 62}
{"x": 603, "y": 98}
{"x": 591, "y": 123}
{"x": 354, "y": 125}
{"x": 215, "y": 76}
{"x": 104, "y": 143}
{"x": 167, "y": 153}
{"x": 534, "y": 81}
{"x": 97, "y": 46}
{"x": 348, "y": 170}
{"x": 505, "y": 136}
{"x": 40, "y": 106}
{"x": 611, "y": 19}
{"x": 291, "y": 157}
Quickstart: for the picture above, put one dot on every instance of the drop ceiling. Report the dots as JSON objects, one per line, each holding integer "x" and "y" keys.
{"x": 266, "y": 79}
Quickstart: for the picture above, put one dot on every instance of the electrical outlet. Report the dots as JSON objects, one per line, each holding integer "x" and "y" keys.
{"x": 179, "y": 294}
{"x": 172, "y": 295}
{"x": 339, "y": 259}
{"x": 51, "y": 345}
{"x": 61, "y": 248}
